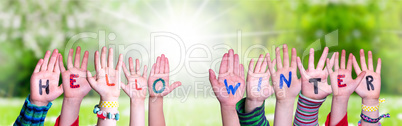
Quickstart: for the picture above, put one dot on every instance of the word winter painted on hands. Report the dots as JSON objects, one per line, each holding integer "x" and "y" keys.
{"x": 136, "y": 85}
{"x": 163, "y": 86}
{"x": 369, "y": 81}
{"x": 231, "y": 88}
{"x": 43, "y": 86}
{"x": 340, "y": 80}
{"x": 72, "y": 81}
{"x": 315, "y": 81}
{"x": 107, "y": 82}
{"x": 283, "y": 79}
{"x": 259, "y": 84}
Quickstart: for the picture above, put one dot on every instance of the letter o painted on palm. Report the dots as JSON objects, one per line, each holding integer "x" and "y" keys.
{"x": 163, "y": 87}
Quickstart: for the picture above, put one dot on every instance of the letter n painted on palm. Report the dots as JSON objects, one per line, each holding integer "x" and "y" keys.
{"x": 283, "y": 79}
{"x": 231, "y": 88}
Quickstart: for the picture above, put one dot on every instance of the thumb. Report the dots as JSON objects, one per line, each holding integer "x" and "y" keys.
{"x": 91, "y": 79}
{"x": 359, "y": 78}
{"x": 212, "y": 77}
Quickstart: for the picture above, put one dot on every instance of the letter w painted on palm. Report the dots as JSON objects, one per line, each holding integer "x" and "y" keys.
{"x": 231, "y": 88}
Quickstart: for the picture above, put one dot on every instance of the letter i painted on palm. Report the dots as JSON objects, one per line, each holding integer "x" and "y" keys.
{"x": 259, "y": 84}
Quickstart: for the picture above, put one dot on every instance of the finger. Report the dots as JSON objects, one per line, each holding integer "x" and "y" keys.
{"x": 356, "y": 66}
{"x": 91, "y": 79}
{"x": 153, "y": 69}
{"x": 231, "y": 55}
{"x": 300, "y": 66}
{"x": 103, "y": 58}
{"x": 251, "y": 66}
{"x": 39, "y": 64}
{"x": 157, "y": 66}
{"x": 97, "y": 62}
{"x": 119, "y": 63}
{"x": 174, "y": 85}
{"x": 60, "y": 90}
{"x": 258, "y": 65}
{"x": 167, "y": 65}
{"x": 212, "y": 78}
{"x": 363, "y": 60}
{"x": 126, "y": 72}
{"x": 349, "y": 64}
{"x": 162, "y": 64}
{"x": 242, "y": 71}
{"x": 370, "y": 61}
{"x": 278, "y": 58}
{"x": 321, "y": 62}
{"x": 311, "y": 60}
{"x": 332, "y": 60}
{"x": 124, "y": 87}
{"x": 110, "y": 58}
{"x": 329, "y": 68}
{"x": 360, "y": 77}
{"x": 378, "y": 70}
{"x": 271, "y": 65}
{"x": 285, "y": 56}
{"x": 77, "y": 57}
{"x": 343, "y": 58}
{"x": 61, "y": 64}
{"x": 84, "y": 63}
{"x": 144, "y": 73}
{"x": 293, "y": 63}
{"x": 53, "y": 60}
{"x": 45, "y": 61}
{"x": 70, "y": 59}
{"x": 236, "y": 65}
{"x": 131, "y": 65}
{"x": 224, "y": 64}
{"x": 336, "y": 61}
{"x": 56, "y": 65}
{"x": 263, "y": 68}
{"x": 137, "y": 66}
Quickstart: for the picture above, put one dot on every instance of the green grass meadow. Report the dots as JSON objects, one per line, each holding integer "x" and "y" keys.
{"x": 194, "y": 111}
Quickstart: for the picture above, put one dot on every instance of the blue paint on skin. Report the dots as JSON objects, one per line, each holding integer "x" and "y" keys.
{"x": 259, "y": 84}
{"x": 282, "y": 79}
{"x": 163, "y": 86}
{"x": 231, "y": 88}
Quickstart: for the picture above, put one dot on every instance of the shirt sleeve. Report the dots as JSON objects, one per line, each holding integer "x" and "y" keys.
{"x": 254, "y": 118}
{"x": 75, "y": 123}
{"x": 343, "y": 122}
{"x": 307, "y": 111}
{"x": 31, "y": 114}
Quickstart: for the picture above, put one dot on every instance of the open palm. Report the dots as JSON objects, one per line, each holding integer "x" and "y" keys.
{"x": 158, "y": 81}
{"x": 45, "y": 80}
{"x": 229, "y": 87}
{"x": 137, "y": 83}
{"x": 258, "y": 87}
{"x": 370, "y": 86}
{"x": 75, "y": 83}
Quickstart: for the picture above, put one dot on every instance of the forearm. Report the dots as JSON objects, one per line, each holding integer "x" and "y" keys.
{"x": 284, "y": 112}
{"x": 32, "y": 114}
{"x": 137, "y": 112}
{"x": 229, "y": 116}
{"x": 373, "y": 114}
{"x": 155, "y": 115}
{"x": 338, "y": 109}
{"x": 70, "y": 111}
{"x": 111, "y": 110}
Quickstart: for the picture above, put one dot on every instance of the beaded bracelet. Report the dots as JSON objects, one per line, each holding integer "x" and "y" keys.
{"x": 371, "y": 120}
{"x": 372, "y": 108}
{"x": 109, "y": 104}
{"x": 103, "y": 115}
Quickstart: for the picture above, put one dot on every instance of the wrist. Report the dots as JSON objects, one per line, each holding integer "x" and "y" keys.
{"x": 285, "y": 101}
{"x": 223, "y": 106}
{"x": 38, "y": 102}
{"x": 137, "y": 101}
{"x": 254, "y": 101}
{"x": 370, "y": 101}
{"x": 109, "y": 98}
{"x": 341, "y": 98}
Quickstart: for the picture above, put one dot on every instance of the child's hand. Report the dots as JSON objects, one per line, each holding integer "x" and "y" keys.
{"x": 45, "y": 80}
{"x": 258, "y": 88}
{"x": 314, "y": 81}
{"x": 75, "y": 83}
{"x": 229, "y": 88}
{"x": 290, "y": 86}
{"x": 370, "y": 86}
{"x": 107, "y": 79}
{"x": 342, "y": 82}
{"x": 137, "y": 83}
{"x": 158, "y": 82}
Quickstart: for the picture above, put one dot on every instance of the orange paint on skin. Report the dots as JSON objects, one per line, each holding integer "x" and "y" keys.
{"x": 107, "y": 82}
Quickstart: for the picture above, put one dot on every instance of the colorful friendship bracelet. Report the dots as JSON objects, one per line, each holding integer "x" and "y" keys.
{"x": 105, "y": 115}
{"x": 371, "y": 120}
{"x": 360, "y": 123}
{"x": 372, "y": 108}
{"x": 109, "y": 104}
